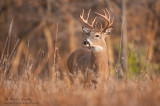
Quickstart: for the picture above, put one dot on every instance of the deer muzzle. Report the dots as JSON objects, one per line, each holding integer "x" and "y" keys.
{"x": 86, "y": 43}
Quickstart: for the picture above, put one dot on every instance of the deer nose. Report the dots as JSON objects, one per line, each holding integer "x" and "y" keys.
{"x": 85, "y": 42}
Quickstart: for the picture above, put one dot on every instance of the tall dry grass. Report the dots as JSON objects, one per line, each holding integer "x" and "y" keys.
{"x": 29, "y": 89}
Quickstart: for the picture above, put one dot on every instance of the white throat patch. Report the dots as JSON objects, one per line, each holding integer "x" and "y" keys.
{"x": 98, "y": 48}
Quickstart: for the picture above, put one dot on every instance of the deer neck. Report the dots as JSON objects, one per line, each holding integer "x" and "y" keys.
{"x": 99, "y": 59}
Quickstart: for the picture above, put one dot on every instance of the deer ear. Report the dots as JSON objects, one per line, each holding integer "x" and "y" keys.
{"x": 86, "y": 30}
{"x": 108, "y": 31}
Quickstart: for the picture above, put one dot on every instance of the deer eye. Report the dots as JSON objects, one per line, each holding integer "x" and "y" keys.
{"x": 97, "y": 35}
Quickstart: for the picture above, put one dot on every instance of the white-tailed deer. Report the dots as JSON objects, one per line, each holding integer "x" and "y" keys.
{"x": 93, "y": 57}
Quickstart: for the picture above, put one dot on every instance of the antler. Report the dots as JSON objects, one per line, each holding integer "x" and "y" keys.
{"x": 106, "y": 16}
{"x": 86, "y": 20}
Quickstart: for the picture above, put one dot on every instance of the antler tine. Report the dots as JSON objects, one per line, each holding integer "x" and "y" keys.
{"x": 94, "y": 21}
{"x": 108, "y": 14}
{"x": 101, "y": 28}
{"x": 86, "y": 20}
{"x": 107, "y": 18}
{"x": 96, "y": 25}
{"x": 82, "y": 14}
{"x": 88, "y": 14}
{"x": 103, "y": 16}
{"x": 112, "y": 21}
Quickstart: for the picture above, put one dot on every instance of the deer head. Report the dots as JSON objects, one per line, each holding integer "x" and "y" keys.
{"x": 96, "y": 37}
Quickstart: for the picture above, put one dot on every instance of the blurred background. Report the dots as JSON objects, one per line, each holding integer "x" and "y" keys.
{"x": 39, "y": 35}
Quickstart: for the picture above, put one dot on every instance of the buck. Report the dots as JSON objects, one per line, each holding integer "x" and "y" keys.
{"x": 92, "y": 60}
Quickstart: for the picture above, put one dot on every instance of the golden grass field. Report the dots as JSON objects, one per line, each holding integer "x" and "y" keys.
{"x": 30, "y": 90}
